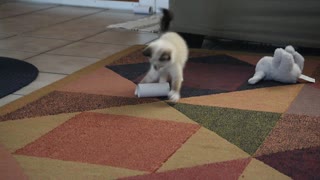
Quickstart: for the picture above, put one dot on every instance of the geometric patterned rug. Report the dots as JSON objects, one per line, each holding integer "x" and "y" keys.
{"x": 91, "y": 126}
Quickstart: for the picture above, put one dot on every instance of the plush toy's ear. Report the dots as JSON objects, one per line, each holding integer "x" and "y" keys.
{"x": 277, "y": 57}
{"x": 299, "y": 60}
{"x": 287, "y": 62}
{"x": 290, "y": 49}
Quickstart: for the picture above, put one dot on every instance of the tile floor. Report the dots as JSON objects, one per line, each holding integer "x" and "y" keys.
{"x": 60, "y": 40}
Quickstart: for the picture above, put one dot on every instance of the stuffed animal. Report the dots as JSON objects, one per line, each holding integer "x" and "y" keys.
{"x": 285, "y": 66}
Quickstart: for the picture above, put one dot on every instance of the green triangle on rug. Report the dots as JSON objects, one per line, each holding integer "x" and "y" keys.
{"x": 246, "y": 129}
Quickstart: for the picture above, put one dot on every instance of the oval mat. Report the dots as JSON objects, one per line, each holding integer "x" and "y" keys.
{"x": 15, "y": 74}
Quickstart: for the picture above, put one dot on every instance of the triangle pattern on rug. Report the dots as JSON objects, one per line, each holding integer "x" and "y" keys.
{"x": 203, "y": 75}
{"x": 217, "y": 171}
{"x": 246, "y": 129}
{"x": 298, "y": 164}
{"x": 258, "y": 170}
{"x": 113, "y": 140}
{"x": 102, "y": 82}
{"x": 44, "y": 168}
{"x": 316, "y": 75}
{"x": 157, "y": 110}
{"x": 262, "y": 99}
{"x": 58, "y": 102}
{"x": 307, "y": 102}
{"x": 204, "y": 147}
{"x": 16, "y": 134}
{"x": 131, "y": 71}
{"x": 10, "y": 168}
{"x": 292, "y": 132}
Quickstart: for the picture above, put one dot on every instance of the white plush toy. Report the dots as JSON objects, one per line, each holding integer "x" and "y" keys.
{"x": 285, "y": 66}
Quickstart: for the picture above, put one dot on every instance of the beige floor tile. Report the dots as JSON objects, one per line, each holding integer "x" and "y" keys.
{"x": 84, "y": 49}
{"x": 16, "y": 54}
{"x": 17, "y": 8}
{"x": 42, "y": 19}
{"x": 60, "y": 64}
{"x": 69, "y": 11}
{"x": 65, "y": 31}
{"x": 125, "y": 14}
{"x": 42, "y": 80}
{"x": 7, "y": 99}
{"x": 31, "y": 44}
{"x": 28, "y": 22}
{"x": 11, "y": 26}
{"x": 123, "y": 37}
{"x": 102, "y": 19}
{"x": 83, "y": 27}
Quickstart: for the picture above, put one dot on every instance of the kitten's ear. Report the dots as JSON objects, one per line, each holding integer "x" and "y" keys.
{"x": 147, "y": 52}
{"x": 166, "y": 56}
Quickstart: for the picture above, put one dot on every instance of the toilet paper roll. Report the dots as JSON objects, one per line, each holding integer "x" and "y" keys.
{"x": 307, "y": 78}
{"x": 142, "y": 9}
{"x": 153, "y": 90}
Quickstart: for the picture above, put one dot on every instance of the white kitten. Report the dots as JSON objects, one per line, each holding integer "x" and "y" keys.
{"x": 168, "y": 56}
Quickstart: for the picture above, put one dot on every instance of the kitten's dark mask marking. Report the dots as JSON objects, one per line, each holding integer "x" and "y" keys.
{"x": 147, "y": 52}
{"x": 165, "y": 57}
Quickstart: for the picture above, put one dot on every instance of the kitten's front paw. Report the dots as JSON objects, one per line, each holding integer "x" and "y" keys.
{"x": 136, "y": 92}
{"x": 174, "y": 96}
{"x": 252, "y": 81}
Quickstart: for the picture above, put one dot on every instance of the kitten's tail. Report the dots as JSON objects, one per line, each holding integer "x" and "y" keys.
{"x": 165, "y": 20}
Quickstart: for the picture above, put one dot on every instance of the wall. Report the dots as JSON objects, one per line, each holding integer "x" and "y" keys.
{"x": 156, "y": 4}
{"x": 107, "y": 4}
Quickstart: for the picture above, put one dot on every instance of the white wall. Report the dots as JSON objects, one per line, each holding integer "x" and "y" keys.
{"x": 156, "y": 4}
{"x": 90, "y": 3}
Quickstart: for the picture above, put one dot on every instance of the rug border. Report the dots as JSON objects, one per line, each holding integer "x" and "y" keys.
{"x": 14, "y": 105}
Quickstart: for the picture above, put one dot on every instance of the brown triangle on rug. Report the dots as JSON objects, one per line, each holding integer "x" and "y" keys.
{"x": 58, "y": 102}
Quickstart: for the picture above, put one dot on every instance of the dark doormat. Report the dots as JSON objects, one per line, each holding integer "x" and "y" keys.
{"x": 15, "y": 74}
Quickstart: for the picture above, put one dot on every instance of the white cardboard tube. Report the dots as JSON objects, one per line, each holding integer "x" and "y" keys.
{"x": 142, "y": 9}
{"x": 153, "y": 90}
{"x": 307, "y": 78}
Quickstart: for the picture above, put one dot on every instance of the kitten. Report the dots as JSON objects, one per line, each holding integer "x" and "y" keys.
{"x": 167, "y": 56}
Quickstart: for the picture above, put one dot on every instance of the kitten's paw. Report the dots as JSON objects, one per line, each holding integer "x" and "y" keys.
{"x": 252, "y": 81}
{"x": 136, "y": 92}
{"x": 174, "y": 96}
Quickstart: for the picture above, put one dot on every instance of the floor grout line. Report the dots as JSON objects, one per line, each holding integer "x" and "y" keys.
{"x": 52, "y": 54}
{"x": 104, "y": 30}
{"x": 10, "y": 36}
{"x": 56, "y": 48}
{"x": 31, "y": 12}
{"x": 91, "y": 42}
{"x": 62, "y": 22}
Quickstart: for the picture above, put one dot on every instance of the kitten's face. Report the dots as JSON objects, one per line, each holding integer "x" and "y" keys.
{"x": 159, "y": 57}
